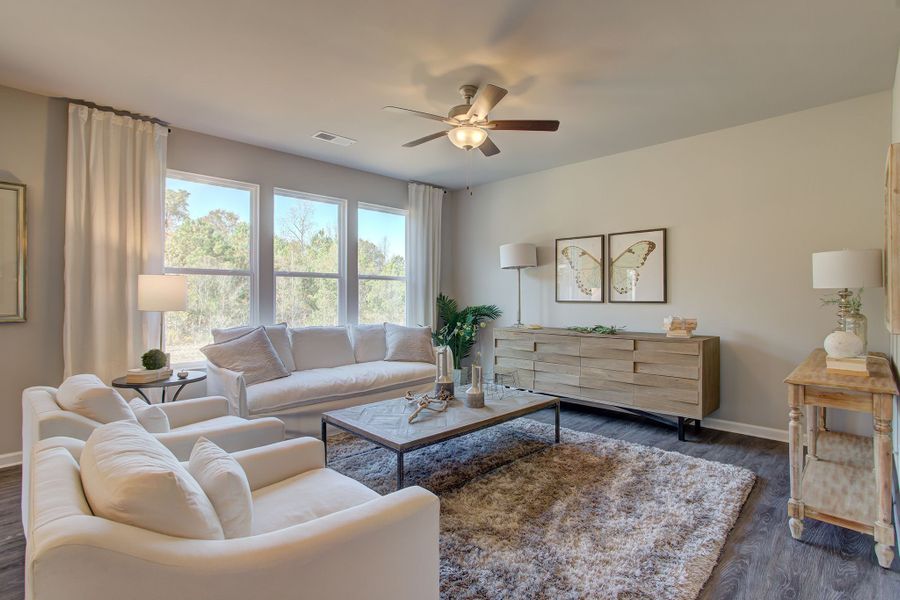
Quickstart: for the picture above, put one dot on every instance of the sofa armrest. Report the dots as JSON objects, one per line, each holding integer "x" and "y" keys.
{"x": 270, "y": 464}
{"x": 186, "y": 412}
{"x": 230, "y": 436}
{"x": 391, "y": 543}
{"x": 231, "y": 385}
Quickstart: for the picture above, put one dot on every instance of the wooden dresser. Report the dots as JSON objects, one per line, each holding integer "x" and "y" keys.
{"x": 642, "y": 372}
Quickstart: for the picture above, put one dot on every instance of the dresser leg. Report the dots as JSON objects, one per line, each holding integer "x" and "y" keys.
{"x": 680, "y": 429}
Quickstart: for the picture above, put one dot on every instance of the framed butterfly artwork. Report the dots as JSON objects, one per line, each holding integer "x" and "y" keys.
{"x": 637, "y": 266}
{"x": 580, "y": 269}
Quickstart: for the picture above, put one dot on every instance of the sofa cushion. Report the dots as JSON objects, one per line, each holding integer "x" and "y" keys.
{"x": 251, "y": 354}
{"x": 310, "y": 495}
{"x": 321, "y": 347}
{"x": 321, "y": 385}
{"x": 225, "y": 484}
{"x": 130, "y": 477}
{"x": 369, "y": 342}
{"x": 412, "y": 344}
{"x": 89, "y": 397}
{"x": 150, "y": 416}
{"x": 278, "y": 335}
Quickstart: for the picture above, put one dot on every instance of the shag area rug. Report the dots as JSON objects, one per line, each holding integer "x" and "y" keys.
{"x": 592, "y": 517}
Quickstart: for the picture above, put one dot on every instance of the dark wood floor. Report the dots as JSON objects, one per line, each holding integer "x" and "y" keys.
{"x": 760, "y": 559}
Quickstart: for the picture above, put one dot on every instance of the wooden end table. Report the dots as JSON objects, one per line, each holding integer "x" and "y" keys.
{"x": 837, "y": 483}
{"x": 386, "y": 423}
{"x": 171, "y": 381}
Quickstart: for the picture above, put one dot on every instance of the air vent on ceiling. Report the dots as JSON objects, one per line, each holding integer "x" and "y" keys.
{"x": 333, "y": 138}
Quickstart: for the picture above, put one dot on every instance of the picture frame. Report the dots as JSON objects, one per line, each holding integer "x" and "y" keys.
{"x": 638, "y": 266}
{"x": 12, "y": 252}
{"x": 581, "y": 269}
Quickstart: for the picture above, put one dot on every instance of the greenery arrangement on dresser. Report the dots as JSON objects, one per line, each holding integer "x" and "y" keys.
{"x": 458, "y": 328}
{"x": 599, "y": 329}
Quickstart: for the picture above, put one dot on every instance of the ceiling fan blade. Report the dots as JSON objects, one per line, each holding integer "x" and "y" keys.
{"x": 523, "y": 125}
{"x": 488, "y": 147}
{"x": 485, "y": 101}
{"x": 422, "y": 140}
{"x": 417, "y": 113}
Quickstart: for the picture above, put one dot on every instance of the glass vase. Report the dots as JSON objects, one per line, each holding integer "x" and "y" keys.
{"x": 857, "y": 323}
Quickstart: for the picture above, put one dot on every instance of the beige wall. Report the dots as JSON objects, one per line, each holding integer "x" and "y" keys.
{"x": 33, "y": 152}
{"x": 745, "y": 208}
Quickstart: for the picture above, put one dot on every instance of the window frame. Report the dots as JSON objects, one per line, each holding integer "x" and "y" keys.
{"x": 341, "y": 275}
{"x": 253, "y": 271}
{"x": 405, "y": 278}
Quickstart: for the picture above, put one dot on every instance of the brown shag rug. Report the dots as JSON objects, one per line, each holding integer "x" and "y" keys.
{"x": 592, "y": 517}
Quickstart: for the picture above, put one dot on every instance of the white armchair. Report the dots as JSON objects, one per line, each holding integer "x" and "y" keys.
{"x": 317, "y": 535}
{"x": 209, "y": 417}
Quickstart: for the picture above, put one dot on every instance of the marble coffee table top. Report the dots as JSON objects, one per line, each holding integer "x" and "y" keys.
{"x": 386, "y": 422}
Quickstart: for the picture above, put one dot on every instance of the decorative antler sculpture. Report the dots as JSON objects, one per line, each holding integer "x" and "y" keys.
{"x": 425, "y": 402}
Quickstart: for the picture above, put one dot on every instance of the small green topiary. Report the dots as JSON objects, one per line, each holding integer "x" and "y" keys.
{"x": 153, "y": 359}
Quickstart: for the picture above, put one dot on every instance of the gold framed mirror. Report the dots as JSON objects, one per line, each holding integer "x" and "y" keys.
{"x": 12, "y": 252}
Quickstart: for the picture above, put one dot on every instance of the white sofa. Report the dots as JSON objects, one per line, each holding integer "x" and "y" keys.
{"x": 209, "y": 417}
{"x": 345, "y": 542}
{"x": 300, "y": 399}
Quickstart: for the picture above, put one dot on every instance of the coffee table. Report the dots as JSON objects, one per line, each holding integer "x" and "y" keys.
{"x": 386, "y": 423}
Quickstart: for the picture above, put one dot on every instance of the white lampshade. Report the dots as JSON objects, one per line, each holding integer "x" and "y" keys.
{"x": 161, "y": 293}
{"x": 839, "y": 269}
{"x": 515, "y": 256}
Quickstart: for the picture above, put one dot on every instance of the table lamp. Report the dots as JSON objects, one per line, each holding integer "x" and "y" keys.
{"x": 844, "y": 270}
{"x": 518, "y": 256}
{"x": 162, "y": 293}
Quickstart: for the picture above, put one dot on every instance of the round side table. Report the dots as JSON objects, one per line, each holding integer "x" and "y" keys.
{"x": 173, "y": 381}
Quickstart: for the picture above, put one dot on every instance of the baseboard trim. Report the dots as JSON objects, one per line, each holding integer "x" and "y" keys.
{"x": 769, "y": 433}
{"x": 10, "y": 460}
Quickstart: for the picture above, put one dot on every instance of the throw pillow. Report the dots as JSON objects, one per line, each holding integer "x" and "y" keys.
{"x": 225, "y": 483}
{"x": 369, "y": 342}
{"x": 278, "y": 335}
{"x": 251, "y": 354}
{"x": 408, "y": 344}
{"x": 321, "y": 347}
{"x": 89, "y": 397}
{"x": 130, "y": 477}
{"x": 150, "y": 416}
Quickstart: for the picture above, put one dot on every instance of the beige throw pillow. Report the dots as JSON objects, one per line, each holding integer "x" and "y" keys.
{"x": 251, "y": 354}
{"x": 225, "y": 484}
{"x": 369, "y": 343}
{"x": 408, "y": 344}
{"x": 130, "y": 477}
{"x": 278, "y": 335}
{"x": 89, "y": 397}
{"x": 321, "y": 347}
{"x": 151, "y": 417}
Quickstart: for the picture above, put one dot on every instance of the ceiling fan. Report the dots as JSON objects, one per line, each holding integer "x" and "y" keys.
{"x": 469, "y": 121}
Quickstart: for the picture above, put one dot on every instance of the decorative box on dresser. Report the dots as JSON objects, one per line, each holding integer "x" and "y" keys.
{"x": 845, "y": 479}
{"x": 639, "y": 372}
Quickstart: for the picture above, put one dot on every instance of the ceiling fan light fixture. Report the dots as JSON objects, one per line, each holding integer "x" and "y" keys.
{"x": 467, "y": 137}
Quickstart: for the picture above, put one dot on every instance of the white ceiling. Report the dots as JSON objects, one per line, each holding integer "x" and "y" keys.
{"x": 619, "y": 74}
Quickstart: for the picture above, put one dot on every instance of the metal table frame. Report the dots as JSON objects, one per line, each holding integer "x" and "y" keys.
{"x": 400, "y": 451}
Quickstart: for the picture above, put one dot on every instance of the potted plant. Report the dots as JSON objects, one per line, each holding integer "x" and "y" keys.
{"x": 458, "y": 328}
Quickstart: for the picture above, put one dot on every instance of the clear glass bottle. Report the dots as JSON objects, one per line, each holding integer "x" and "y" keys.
{"x": 856, "y": 322}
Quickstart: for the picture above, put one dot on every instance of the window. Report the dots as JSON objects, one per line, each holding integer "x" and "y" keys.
{"x": 210, "y": 236}
{"x": 308, "y": 259}
{"x": 381, "y": 254}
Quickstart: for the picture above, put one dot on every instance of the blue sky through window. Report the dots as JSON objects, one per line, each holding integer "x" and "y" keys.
{"x": 206, "y": 197}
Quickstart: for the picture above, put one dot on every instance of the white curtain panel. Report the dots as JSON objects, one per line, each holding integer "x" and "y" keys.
{"x": 114, "y": 231}
{"x": 423, "y": 253}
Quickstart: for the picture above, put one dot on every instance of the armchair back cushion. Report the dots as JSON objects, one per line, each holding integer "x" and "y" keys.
{"x": 321, "y": 348}
{"x": 369, "y": 343}
{"x": 225, "y": 484}
{"x": 251, "y": 354}
{"x": 130, "y": 477}
{"x": 89, "y": 397}
{"x": 408, "y": 344}
{"x": 278, "y": 335}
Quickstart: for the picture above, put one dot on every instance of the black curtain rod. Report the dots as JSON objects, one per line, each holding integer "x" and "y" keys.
{"x": 120, "y": 112}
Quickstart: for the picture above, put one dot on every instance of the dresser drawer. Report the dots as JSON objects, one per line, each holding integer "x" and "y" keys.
{"x": 559, "y": 359}
{"x": 514, "y": 363}
{"x": 561, "y": 389}
{"x": 654, "y": 403}
{"x": 518, "y": 378}
{"x": 596, "y": 383}
{"x": 616, "y": 397}
{"x": 683, "y": 372}
{"x": 643, "y": 393}
{"x": 609, "y": 364}
{"x": 564, "y": 378}
{"x": 672, "y": 347}
{"x": 524, "y": 343}
{"x": 591, "y": 345}
{"x": 505, "y": 352}
{"x": 662, "y": 381}
{"x": 558, "y": 344}
{"x": 620, "y": 376}
{"x": 557, "y": 368}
